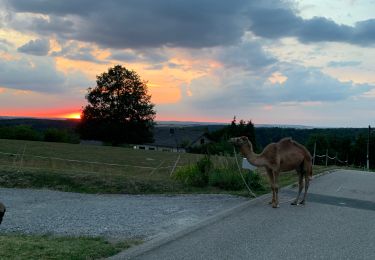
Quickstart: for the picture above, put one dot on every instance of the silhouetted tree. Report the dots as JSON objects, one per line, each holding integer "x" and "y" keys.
{"x": 119, "y": 109}
{"x": 219, "y": 138}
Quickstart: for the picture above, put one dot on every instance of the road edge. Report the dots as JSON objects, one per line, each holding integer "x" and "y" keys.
{"x": 165, "y": 239}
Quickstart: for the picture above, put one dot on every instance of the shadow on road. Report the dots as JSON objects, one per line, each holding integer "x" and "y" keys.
{"x": 338, "y": 201}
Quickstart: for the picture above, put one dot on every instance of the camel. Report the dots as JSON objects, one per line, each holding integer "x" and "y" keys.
{"x": 2, "y": 211}
{"x": 285, "y": 155}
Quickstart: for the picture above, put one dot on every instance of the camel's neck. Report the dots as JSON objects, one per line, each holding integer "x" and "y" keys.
{"x": 253, "y": 158}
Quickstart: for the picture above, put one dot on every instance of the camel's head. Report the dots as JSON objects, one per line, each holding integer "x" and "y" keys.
{"x": 239, "y": 141}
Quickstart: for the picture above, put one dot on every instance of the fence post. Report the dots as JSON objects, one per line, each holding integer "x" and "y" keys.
{"x": 336, "y": 159}
{"x": 368, "y": 148}
{"x": 314, "y": 153}
{"x": 327, "y": 158}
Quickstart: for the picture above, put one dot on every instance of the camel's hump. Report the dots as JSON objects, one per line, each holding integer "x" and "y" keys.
{"x": 286, "y": 139}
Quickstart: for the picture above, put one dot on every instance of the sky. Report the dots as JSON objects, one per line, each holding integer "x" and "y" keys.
{"x": 302, "y": 62}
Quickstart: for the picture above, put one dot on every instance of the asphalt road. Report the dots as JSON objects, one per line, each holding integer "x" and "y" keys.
{"x": 338, "y": 222}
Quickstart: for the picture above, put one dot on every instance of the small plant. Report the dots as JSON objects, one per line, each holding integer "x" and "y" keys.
{"x": 255, "y": 182}
{"x": 227, "y": 179}
{"x": 195, "y": 175}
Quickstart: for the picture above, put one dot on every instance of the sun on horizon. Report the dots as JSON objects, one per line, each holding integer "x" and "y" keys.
{"x": 75, "y": 115}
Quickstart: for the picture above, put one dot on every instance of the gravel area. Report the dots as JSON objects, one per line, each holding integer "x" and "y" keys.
{"x": 111, "y": 216}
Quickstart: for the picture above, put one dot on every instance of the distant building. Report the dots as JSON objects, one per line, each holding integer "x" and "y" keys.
{"x": 176, "y": 139}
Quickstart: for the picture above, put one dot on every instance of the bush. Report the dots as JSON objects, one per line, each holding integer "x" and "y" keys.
{"x": 191, "y": 176}
{"x": 203, "y": 173}
{"x": 60, "y": 135}
{"x": 20, "y": 132}
{"x": 255, "y": 182}
{"x": 195, "y": 175}
{"x": 227, "y": 179}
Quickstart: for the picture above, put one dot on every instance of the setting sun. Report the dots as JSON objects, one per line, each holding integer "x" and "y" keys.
{"x": 76, "y": 115}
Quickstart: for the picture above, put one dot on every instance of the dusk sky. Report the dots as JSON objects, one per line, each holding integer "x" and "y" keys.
{"x": 305, "y": 62}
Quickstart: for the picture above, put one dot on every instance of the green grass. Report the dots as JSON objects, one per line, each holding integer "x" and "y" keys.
{"x": 105, "y": 169}
{"x": 14, "y": 246}
{"x": 92, "y": 169}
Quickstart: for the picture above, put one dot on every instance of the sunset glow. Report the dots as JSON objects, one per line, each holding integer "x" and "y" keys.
{"x": 203, "y": 66}
{"x": 72, "y": 116}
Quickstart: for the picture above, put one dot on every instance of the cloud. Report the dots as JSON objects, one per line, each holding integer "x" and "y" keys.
{"x": 234, "y": 90}
{"x": 248, "y": 55}
{"x": 338, "y": 64}
{"x": 71, "y": 50}
{"x": 154, "y": 56}
{"x": 38, "y": 47}
{"x": 37, "y": 74}
{"x": 4, "y": 44}
{"x": 138, "y": 24}
{"x": 275, "y": 22}
{"x": 179, "y": 23}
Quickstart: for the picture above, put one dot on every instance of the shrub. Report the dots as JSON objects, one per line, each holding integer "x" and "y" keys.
{"x": 255, "y": 182}
{"x": 195, "y": 175}
{"x": 20, "y": 132}
{"x": 60, "y": 135}
{"x": 227, "y": 179}
{"x": 191, "y": 176}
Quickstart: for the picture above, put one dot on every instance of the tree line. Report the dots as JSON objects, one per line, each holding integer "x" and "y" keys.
{"x": 347, "y": 144}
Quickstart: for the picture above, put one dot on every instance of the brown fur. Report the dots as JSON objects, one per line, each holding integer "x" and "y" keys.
{"x": 2, "y": 211}
{"x": 285, "y": 155}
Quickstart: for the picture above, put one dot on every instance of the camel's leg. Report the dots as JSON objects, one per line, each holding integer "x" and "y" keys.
{"x": 307, "y": 180}
{"x": 2, "y": 211}
{"x": 275, "y": 189}
{"x": 300, "y": 187}
{"x": 270, "y": 177}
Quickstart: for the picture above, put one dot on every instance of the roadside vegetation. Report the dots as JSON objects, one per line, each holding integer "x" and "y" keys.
{"x": 17, "y": 246}
{"x": 103, "y": 169}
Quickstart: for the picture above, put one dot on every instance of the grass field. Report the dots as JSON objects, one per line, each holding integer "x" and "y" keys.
{"x": 101, "y": 169}
{"x": 14, "y": 246}
{"x": 85, "y": 168}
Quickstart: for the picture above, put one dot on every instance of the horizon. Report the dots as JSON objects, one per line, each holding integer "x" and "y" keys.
{"x": 295, "y": 62}
{"x": 192, "y": 123}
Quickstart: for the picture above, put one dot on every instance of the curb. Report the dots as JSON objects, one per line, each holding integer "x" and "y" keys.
{"x": 163, "y": 240}
{"x": 160, "y": 241}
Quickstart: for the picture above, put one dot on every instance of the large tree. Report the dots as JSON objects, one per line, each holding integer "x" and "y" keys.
{"x": 119, "y": 109}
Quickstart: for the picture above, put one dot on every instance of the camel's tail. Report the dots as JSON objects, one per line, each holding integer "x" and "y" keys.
{"x": 307, "y": 168}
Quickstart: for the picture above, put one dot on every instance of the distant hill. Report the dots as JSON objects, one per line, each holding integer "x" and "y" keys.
{"x": 40, "y": 124}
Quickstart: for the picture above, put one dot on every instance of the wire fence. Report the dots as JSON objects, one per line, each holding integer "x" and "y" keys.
{"x": 22, "y": 161}
{"x": 327, "y": 160}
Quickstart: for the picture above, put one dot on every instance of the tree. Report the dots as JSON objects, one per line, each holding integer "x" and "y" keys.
{"x": 119, "y": 109}
{"x": 219, "y": 138}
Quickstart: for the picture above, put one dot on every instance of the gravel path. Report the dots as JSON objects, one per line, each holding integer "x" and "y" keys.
{"x": 111, "y": 216}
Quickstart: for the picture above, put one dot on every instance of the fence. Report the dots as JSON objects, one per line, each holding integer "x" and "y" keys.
{"x": 327, "y": 158}
{"x": 22, "y": 161}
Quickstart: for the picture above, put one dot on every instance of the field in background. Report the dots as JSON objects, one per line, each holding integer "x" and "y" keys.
{"x": 103, "y": 169}
{"x": 93, "y": 169}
